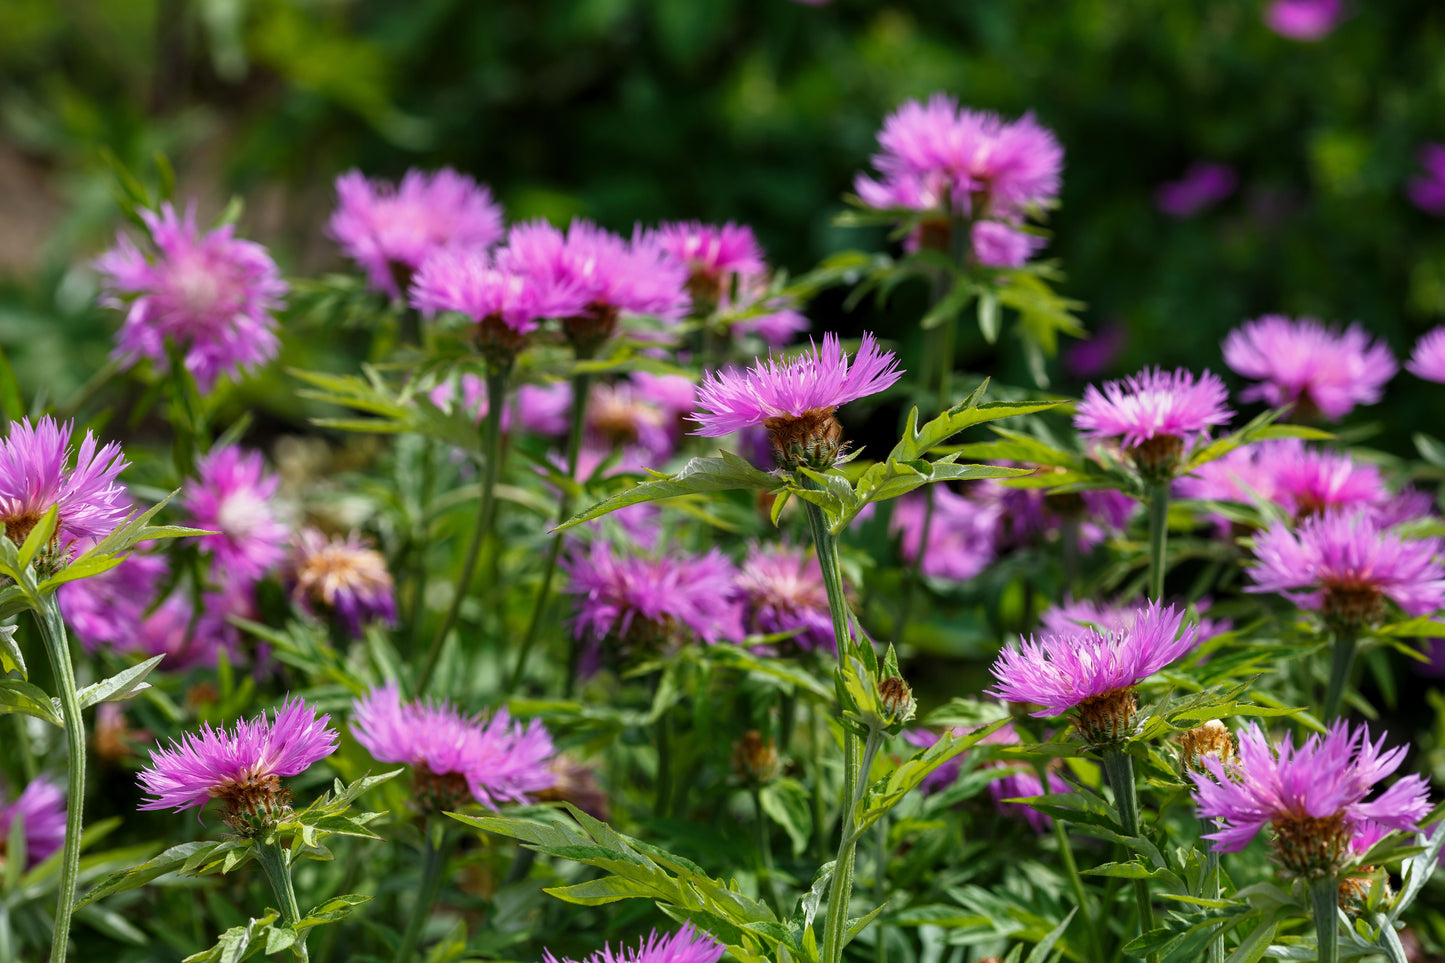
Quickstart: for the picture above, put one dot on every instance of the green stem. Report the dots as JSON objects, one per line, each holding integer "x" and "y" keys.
{"x": 28, "y": 767}
{"x": 434, "y": 860}
{"x": 880, "y": 886}
{"x": 1341, "y": 662}
{"x": 1212, "y": 891}
{"x": 1325, "y": 897}
{"x": 486, "y": 517}
{"x": 840, "y": 891}
{"x": 1158, "y": 537}
{"x": 664, "y": 765}
{"x": 57, "y": 647}
{"x": 581, "y": 390}
{"x": 273, "y": 860}
{"x": 1076, "y": 883}
{"x": 1119, "y": 768}
{"x": 765, "y": 849}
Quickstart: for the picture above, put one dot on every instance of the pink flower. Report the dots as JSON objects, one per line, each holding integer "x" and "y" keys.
{"x": 1312, "y": 795}
{"x": 642, "y": 415}
{"x": 1428, "y": 359}
{"x": 238, "y": 763}
{"x": 1303, "y": 20}
{"x": 687, "y": 945}
{"x": 390, "y": 230}
{"x": 493, "y": 290}
{"x": 1304, "y": 362}
{"x": 711, "y": 253}
{"x": 1299, "y": 479}
{"x": 1427, "y": 191}
{"x": 234, "y": 496}
{"x": 961, "y": 537}
{"x": 540, "y": 409}
{"x": 999, "y": 245}
{"x": 37, "y": 473}
{"x": 782, "y": 591}
{"x": 40, "y": 807}
{"x": 107, "y": 610}
{"x": 212, "y": 294}
{"x": 817, "y": 380}
{"x": 1153, "y": 404}
{"x": 1203, "y": 185}
{"x": 343, "y": 576}
{"x": 189, "y": 639}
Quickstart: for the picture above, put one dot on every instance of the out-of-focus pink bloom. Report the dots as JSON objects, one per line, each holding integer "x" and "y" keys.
{"x": 106, "y": 610}
{"x": 390, "y": 230}
{"x": 540, "y": 409}
{"x": 782, "y": 591}
{"x": 235, "y": 497}
{"x": 643, "y": 415}
{"x": 1301, "y": 480}
{"x": 1317, "y": 368}
{"x": 1428, "y": 359}
{"x": 505, "y": 300}
{"x": 191, "y": 639}
{"x": 1427, "y": 191}
{"x": 1304, "y": 20}
{"x": 961, "y": 537}
{"x": 344, "y": 576}
{"x": 1000, "y": 245}
{"x": 1096, "y": 354}
{"x": 1203, "y": 185}
{"x": 40, "y": 808}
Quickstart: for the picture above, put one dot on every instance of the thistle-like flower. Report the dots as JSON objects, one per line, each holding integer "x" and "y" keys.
{"x": 211, "y": 294}
{"x": 1092, "y": 670}
{"x": 1313, "y": 795}
{"x": 794, "y": 398}
{"x": 241, "y": 766}
{"x": 687, "y": 945}
{"x": 1428, "y": 359}
{"x": 1346, "y": 565}
{"x": 1154, "y": 414}
{"x": 391, "y": 229}
{"x": 1300, "y": 479}
{"x": 234, "y": 497}
{"x": 714, "y": 256}
{"x": 37, "y": 473}
{"x": 494, "y": 759}
{"x": 343, "y": 576}
{"x": 40, "y": 808}
{"x": 782, "y": 591}
{"x": 1322, "y": 371}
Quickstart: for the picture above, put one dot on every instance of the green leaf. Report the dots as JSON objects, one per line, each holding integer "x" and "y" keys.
{"x": 39, "y": 536}
{"x": 596, "y": 892}
{"x": 1260, "y": 428}
{"x": 17, "y": 695}
{"x": 919, "y": 441}
{"x": 122, "y": 685}
{"x": 946, "y": 310}
{"x": 789, "y": 804}
{"x": 11, "y": 658}
{"x": 988, "y": 315}
{"x": 725, "y": 472}
{"x": 886, "y": 793}
{"x": 174, "y": 860}
{"x": 1041, "y": 950}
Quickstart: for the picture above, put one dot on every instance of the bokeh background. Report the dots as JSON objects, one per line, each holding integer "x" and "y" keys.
{"x": 754, "y": 110}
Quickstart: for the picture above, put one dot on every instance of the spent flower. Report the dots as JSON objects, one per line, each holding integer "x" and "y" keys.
{"x": 345, "y": 576}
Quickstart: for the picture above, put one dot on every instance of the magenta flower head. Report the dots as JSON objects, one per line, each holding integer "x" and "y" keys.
{"x": 108, "y": 609}
{"x": 1154, "y": 413}
{"x": 642, "y": 415}
{"x": 241, "y": 766}
{"x": 342, "y": 576}
{"x": 235, "y": 497}
{"x": 1303, "y": 20}
{"x": 40, "y": 808}
{"x": 451, "y": 754}
{"x": 1427, "y": 191}
{"x": 1428, "y": 359}
{"x": 540, "y": 409}
{"x": 687, "y": 945}
{"x": 1092, "y": 670}
{"x": 794, "y": 398}
{"x": 782, "y": 591}
{"x": 211, "y": 294}
{"x": 38, "y": 473}
{"x": 713, "y": 255}
{"x": 640, "y": 605}
{"x": 962, "y": 536}
{"x": 1346, "y": 565}
{"x": 1312, "y": 795}
{"x": 495, "y": 291}
{"x": 390, "y": 230}
{"x": 1203, "y": 185}
{"x": 1320, "y": 370}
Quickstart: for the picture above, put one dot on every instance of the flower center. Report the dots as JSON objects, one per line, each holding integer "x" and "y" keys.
{"x": 1157, "y": 457}
{"x": 1107, "y": 719}
{"x": 18, "y": 527}
{"x": 438, "y": 791}
{"x": 1351, "y": 603}
{"x": 253, "y": 802}
{"x": 812, "y": 439}
{"x": 242, "y": 514}
{"x": 338, "y": 569}
{"x": 1311, "y": 846}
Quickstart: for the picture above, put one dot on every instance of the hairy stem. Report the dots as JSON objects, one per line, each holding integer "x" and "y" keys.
{"x": 1342, "y": 662}
{"x": 274, "y": 861}
{"x": 434, "y": 860}
{"x": 486, "y": 517}
{"x": 1119, "y": 768}
{"x": 840, "y": 890}
{"x": 57, "y": 647}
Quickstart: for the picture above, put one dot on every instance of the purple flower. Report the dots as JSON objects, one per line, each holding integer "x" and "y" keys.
{"x": 1312, "y": 795}
{"x": 1094, "y": 355}
{"x": 962, "y": 535}
{"x": 344, "y": 576}
{"x": 1346, "y": 564}
{"x": 1093, "y": 669}
{"x": 1203, "y": 185}
{"x": 1117, "y": 617}
{"x": 495, "y": 759}
{"x": 643, "y": 415}
{"x": 540, "y": 409}
{"x": 242, "y": 765}
{"x": 782, "y": 591}
{"x": 108, "y": 609}
{"x": 713, "y": 255}
{"x": 687, "y": 945}
{"x": 1299, "y": 479}
{"x": 1428, "y": 359}
{"x": 1427, "y": 191}
{"x": 40, "y": 807}
{"x": 390, "y": 230}
{"x": 1304, "y": 20}
{"x": 816, "y": 381}
{"x": 189, "y": 639}
{"x": 212, "y": 294}
{"x": 235, "y": 497}
{"x": 652, "y": 603}
{"x": 37, "y": 474}
{"x": 1000, "y": 245}
{"x": 1154, "y": 413}
{"x": 1303, "y": 362}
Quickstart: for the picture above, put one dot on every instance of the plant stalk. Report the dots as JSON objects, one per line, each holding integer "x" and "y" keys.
{"x": 278, "y": 871}
{"x": 1076, "y": 883}
{"x": 1212, "y": 891}
{"x": 434, "y": 860}
{"x": 765, "y": 850}
{"x": 1158, "y": 537}
{"x": 486, "y": 517}
{"x": 840, "y": 890}
{"x": 581, "y": 391}
{"x": 57, "y": 647}
{"x": 1119, "y": 769}
{"x": 1341, "y": 662}
{"x": 1325, "y": 898}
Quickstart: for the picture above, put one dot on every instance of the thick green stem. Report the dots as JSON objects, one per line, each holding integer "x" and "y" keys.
{"x": 880, "y": 886}
{"x": 274, "y": 861}
{"x": 1158, "y": 537}
{"x": 434, "y": 861}
{"x": 765, "y": 851}
{"x": 1325, "y": 898}
{"x": 57, "y": 647}
{"x": 1119, "y": 768}
{"x": 1341, "y": 662}
{"x": 581, "y": 390}
{"x": 486, "y": 517}
{"x": 840, "y": 890}
{"x": 827, "y": 550}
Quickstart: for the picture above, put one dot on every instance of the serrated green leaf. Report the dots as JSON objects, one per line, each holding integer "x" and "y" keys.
{"x": 122, "y": 685}
{"x": 725, "y": 472}
{"x": 17, "y": 695}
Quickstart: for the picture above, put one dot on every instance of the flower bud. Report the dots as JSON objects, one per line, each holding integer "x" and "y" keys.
{"x": 897, "y": 699}
{"x": 1210, "y": 739}
{"x": 755, "y": 759}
